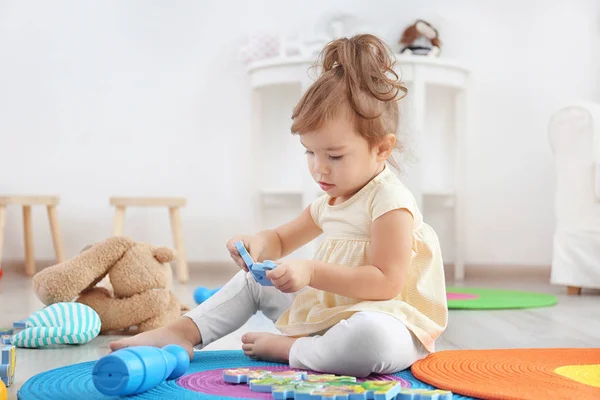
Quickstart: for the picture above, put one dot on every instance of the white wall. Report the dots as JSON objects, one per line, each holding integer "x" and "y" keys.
{"x": 150, "y": 98}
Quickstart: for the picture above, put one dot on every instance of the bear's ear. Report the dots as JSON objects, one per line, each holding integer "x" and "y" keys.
{"x": 163, "y": 254}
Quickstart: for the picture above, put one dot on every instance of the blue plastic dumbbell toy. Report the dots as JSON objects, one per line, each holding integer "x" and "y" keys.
{"x": 202, "y": 294}
{"x": 134, "y": 370}
{"x": 258, "y": 270}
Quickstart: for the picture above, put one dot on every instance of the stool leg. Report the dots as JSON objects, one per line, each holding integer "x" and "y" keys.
{"x": 56, "y": 237}
{"x": 119, "y": 220}
{"x": 2, "y": 222}
{"x": 28, "y": 234}
{"x": 573, "y": 290}
{"x": 182, "y": 267}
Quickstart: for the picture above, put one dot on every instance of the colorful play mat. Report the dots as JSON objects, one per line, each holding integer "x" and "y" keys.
{"x": 515, "y": 374}
{"x": 204, "y": 380}
{"x": 489, "y": 299}
{"x": 490, "y": 374}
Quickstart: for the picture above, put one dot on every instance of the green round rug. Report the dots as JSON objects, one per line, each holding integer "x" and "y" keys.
{"x": 490, "y": 299}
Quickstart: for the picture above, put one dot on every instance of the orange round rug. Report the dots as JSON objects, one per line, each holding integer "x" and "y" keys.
{"x": 514, "y": 373}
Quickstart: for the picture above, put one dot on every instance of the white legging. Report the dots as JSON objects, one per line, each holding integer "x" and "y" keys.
{"x": 365, "y": 343}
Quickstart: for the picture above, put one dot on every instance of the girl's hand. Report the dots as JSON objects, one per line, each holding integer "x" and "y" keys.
{"x": 291, "y": 275}
{"x": 253, "y": 243}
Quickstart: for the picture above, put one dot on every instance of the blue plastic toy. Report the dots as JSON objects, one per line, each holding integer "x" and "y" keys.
{"x": 202, "y": 294}
{"x": 259, "y": 270}
{"x": 136, "y": 369}
{"x": 18, "y": 326}
{"x": 8, "y": 363}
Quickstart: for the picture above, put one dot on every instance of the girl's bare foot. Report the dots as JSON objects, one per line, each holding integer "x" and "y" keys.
{"x": 267, "y": 346}
{"x": 180, "y": 332}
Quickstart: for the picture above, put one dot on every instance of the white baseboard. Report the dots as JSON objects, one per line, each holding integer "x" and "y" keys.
{"x": 532, "y": 273}
{"x": 537, "y": 273}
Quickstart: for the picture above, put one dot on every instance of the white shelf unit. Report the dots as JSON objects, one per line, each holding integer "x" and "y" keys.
{"x": 279, "y": 82}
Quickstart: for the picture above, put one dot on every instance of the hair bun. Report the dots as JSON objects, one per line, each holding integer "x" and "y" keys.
{"x": 366, "y": 63}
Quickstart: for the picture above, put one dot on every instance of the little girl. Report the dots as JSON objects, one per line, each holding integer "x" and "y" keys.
{"x": 373, "y": 299}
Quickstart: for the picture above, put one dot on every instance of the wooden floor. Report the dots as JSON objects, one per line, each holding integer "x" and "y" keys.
{"x": 573, "y": 322}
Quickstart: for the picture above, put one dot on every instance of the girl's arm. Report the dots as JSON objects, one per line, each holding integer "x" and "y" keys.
{"x": 391, "y": 253}
{"x": 290, "y": 236}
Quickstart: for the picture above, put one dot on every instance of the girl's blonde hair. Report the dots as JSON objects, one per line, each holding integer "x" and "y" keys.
{"x": 357, "y": 79}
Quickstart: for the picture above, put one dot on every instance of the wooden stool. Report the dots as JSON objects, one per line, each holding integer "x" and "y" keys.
{"x": 27, "y": 201}
{"x": 573, "y": 290}
{"x": 173, "y": 203}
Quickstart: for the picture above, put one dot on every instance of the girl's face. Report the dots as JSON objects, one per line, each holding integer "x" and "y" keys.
{"x": 340, "y": 160}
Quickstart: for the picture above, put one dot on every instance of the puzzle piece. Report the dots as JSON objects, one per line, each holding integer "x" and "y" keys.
{"x": 266, "y": 384}
{"x": 4, "y": 377}
{"x": 244, "y": 254}
{"x": 18, "y": 326}
{"x": 302, "y": 386}
{"x": 258, "y": 270}
{"x": 295, "y": 390}
{"x": 8, "y": 381}
{"x": 335, "y": 389}
{"x": 8, "y": 363}
{"x": 243, "y": 375}
{"x": 259, "y": 377}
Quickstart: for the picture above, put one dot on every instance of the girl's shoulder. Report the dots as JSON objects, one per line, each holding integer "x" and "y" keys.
{"x": 389, "y": 193}
{"x": 387, "y": 185}
{"x": 317, "y": 207}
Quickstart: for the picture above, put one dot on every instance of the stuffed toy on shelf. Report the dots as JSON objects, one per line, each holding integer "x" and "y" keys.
{"x": 140, "y": 276}
{"x": 420, "y": 38}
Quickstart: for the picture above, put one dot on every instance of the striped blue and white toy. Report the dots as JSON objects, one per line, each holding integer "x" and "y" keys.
{"x": 60, "y": 323}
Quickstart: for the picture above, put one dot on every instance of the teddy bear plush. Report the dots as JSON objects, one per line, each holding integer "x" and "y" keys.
{"x": 420, "y": 38}
{"x": 140, "y": 278}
